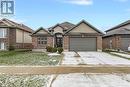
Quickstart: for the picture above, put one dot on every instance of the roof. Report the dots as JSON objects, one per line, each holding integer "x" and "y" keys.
{"x": 120, "y": 25}
{"x": 121, "y": 31}
{"x": 41, "y": 28}
{"x": 83, "y": 21}
{"x": 64, "y": 25}
{"x": 13, "y": 24}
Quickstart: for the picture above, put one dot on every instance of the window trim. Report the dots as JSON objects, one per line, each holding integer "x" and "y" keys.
{"x": 4, "y": 32}
{"x": 42, "y": 41}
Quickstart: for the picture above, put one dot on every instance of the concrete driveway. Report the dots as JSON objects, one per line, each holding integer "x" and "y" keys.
{"x": 93, "y": 58}
{"x": 91, "y": 79}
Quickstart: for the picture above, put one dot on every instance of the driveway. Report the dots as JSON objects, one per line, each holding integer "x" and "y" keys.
{"x": 92, "y": 80}
{"x": 93, "y": 58}
{"x": 89, "y": 79}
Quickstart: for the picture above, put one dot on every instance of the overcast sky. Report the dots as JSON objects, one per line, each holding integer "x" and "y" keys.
{"x": 103, "y": 14}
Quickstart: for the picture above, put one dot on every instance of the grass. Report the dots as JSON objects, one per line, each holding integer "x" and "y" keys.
{"x": 27, "y": 58}
{"x": 24, "y": 81}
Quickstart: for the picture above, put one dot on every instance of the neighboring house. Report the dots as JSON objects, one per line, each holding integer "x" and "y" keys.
{"x": 80, "y": 37}
{"x": 14, "y": 34}
{"x": 118, "y": 37}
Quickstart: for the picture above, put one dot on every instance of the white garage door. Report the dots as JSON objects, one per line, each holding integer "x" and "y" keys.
{"x": 83, "y": 44}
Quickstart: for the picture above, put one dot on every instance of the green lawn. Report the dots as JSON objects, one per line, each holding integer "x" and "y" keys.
{"x": 27, "y": 58}
{"x": 24, "y": 81}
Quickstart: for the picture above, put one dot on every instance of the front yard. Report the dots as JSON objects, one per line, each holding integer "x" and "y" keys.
{"x": 24, "y": 81}
{"x": 27, "y": 58}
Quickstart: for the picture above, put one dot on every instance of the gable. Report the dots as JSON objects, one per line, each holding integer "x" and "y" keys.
{"x": 83, "y": 28}
{"x": 41, "y": 32}
{"x": 58, "y": 29}
{"x": 2, "y": 24}
{"x": 118, "y": 30}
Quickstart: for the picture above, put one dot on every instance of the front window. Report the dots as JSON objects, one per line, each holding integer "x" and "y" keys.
{"x": 110, "y": 43}
{"x": 2, "y": 46}
{"x": 2, "y": 32}
{"x": 42, "y": 40}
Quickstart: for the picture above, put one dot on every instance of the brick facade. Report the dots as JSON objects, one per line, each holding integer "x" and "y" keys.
{"x": 11, "y": 37}
{"x": 66, "y": 43}
{"x": 99, "y": 43}
{"x": 10, "y": 40}
{"x": 37, "y": 46}
{"x": 50, "y": 41}
{"x": 34, "y": 42}
{"x": 116, "y": 42}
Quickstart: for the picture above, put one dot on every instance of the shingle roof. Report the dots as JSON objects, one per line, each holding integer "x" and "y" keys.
{"x": 118, "y": 32}
{"x": 41, "y": 28}
{"x": 120, "y": 25}
{"x": 67, "y": 25}
{"x": 64, "y": 25}
{"x": 10, "y": 23}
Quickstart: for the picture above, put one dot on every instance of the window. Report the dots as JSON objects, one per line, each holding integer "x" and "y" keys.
{"x": 110, "y": 44}
{"x": 2, "y": 47}
{"x": 2, "y": 32}
{"x": 42, "y": 40}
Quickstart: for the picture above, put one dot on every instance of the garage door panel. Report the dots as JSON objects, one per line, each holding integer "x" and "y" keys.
{"x": 125, "y": 42}
{"x": 82, "y": 44}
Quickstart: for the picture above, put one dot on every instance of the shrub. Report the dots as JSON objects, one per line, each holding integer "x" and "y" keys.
{"x": 11, "y": 48}
{"x": 49, "y": 49}
{"x": 109, "y": 50}
{"x": 54, "y": 49}
{"x": 60, "y": 50}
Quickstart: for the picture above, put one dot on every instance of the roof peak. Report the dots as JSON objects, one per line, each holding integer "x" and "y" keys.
{"x": 119, "y": 25}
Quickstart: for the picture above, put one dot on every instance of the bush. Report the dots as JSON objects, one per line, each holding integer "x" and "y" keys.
{"x": 109, "y": 50}
{"x": 49, "y": 49}
{"x": 54, "y": 49}
{"x": 23, "y": 50}
{"x": 11, "y": 48}
{"x": 60, "y": 50}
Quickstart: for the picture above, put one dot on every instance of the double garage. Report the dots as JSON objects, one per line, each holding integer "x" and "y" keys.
{"x": 83, "y": 44}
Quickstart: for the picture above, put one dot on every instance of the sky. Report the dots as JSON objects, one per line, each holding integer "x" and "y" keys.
{"x": 103, "y": 14}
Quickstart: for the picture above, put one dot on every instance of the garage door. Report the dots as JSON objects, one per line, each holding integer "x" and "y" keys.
{"x": 125, "y": 42}
{"x": 83, "y": 44}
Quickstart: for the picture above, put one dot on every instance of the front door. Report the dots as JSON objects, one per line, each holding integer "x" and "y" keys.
{"x": 58, "y": 40}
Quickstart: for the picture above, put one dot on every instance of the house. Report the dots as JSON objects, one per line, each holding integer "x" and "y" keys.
{"x": 80, "y": 37}
{"x": 14, "y": 34}
{"x": 118, "y": 37}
